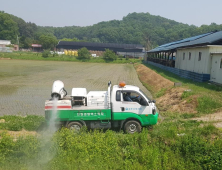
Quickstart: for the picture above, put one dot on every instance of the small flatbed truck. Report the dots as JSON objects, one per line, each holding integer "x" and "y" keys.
{"x": 101, "y": 109}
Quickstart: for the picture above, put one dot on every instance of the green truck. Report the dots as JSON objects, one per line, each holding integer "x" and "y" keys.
{"x": 123, "y": 107}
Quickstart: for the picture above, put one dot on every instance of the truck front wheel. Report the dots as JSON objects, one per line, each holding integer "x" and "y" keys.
{"x": 76, "y": 126}
{"x": 132, "y": 126}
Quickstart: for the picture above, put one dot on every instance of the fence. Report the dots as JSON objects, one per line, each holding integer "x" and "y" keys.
{"x": 183, "y": 73}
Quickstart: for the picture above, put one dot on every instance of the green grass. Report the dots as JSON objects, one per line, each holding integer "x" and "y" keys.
{"x": 178, "y": 144}
{"x": 208, "y": 105}
{"x": 17, "y": 123}
{"x": 209, "y": 95}
{"x": 38, "y": 56}
{"x": 160, "y": 93}
{"x": 187, "y": 94}
{"x": 169, "y": 145}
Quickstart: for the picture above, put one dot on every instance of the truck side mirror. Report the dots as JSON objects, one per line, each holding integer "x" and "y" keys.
{"x": 152, "y": 101}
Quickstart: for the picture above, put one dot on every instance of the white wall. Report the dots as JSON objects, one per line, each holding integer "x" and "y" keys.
{"x": 209, "y": 63}
{"x": 193, "y": 64}
{"x": 133, "y": 54}
{"x": 5, "y": 42}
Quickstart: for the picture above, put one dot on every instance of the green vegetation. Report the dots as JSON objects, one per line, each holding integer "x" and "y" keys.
{"x": 109, "y": 55}
{"x": 207, "y": 104}
{"x": 135, "y": 28}
{"x": 186, "y": 94}
{"x": 209, "y": 95}
{"x": 48, "y": 41}
{"x": 177, "y": 145}
{"x": 17, "y": 123}
{"x": 46, "y": 55}
{"x": 84, "y": 54}
{"x": 160, "y": 93}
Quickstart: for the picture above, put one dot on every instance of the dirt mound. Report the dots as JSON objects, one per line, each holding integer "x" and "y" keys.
{"x": 171, "y": 100}
{"x": 154, "y": 80}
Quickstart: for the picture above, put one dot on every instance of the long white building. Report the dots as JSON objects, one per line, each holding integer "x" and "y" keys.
{"x": 200, "y": 54}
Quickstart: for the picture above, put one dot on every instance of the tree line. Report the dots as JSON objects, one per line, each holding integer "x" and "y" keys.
{"x": 135, "y": 28}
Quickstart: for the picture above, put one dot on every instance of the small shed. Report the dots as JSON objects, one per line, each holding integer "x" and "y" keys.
{"x": 36, "y": 47}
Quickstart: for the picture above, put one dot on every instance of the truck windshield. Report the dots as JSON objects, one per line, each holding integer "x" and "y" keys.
{"x": 144, "y": 94}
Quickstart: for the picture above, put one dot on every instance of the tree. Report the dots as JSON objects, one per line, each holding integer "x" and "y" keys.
{"x": 48, "y": 41}
{"x": 84, "y": 54}
{"x": 25, "y": 42}
{"x": 8, "y": 28}
{"x": 109, "y": 55}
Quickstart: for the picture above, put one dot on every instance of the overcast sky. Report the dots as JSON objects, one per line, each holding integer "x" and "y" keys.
{"x": 61, "y": 13}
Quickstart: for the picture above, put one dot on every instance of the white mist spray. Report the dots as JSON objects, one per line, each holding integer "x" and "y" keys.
{"x": 46, "y": 153}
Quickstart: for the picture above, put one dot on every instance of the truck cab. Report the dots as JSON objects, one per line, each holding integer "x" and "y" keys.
{"x": 129, "y": 103}
{"x": 123, "y": 107}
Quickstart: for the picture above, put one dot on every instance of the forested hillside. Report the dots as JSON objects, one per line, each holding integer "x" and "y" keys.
{"x": 135, "y": 28}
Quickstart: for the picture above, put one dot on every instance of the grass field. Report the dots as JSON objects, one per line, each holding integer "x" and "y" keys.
{"x": 174, "y": 143}
{"x": 25, "y": 84}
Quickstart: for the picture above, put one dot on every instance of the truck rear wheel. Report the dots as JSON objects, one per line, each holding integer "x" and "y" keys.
{"x": 75, "y": 126}
{"x": 132, "y": 126}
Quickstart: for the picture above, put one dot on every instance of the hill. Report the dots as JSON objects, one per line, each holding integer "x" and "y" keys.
{"x": 135, "y": 28}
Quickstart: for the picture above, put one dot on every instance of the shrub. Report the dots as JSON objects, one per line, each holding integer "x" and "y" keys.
{"x": 45, "y": 53}
{"x": 109, "y": 55}
{"x": 83, "y": 54}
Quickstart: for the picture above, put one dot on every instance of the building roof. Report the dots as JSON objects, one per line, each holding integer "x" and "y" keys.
{"x": 100, "y": 46}
{"x": 5, "y": 42}
{"x": 211, "y": 38}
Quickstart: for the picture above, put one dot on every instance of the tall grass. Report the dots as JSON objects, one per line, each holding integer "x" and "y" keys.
{"x": 17, "y": 123}
{"x": 170, "y": 145}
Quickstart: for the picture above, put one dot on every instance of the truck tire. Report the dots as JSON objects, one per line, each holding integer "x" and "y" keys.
{"x": 75, "y": 126}
{"x": 132, "y": 126}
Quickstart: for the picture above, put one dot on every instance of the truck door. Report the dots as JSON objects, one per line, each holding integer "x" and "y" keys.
{"x": 133, "y": 103}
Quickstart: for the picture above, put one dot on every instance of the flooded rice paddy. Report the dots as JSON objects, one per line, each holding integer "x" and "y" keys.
{"x": 25, "y": 85}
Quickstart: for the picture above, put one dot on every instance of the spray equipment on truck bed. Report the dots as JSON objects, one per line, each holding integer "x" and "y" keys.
{"x": 79, "y": 96}
{"x": 58, "y": 90}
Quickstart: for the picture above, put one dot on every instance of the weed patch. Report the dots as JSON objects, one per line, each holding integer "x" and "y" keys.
{"x": 17, "y": 123}
{"x": 160, "y": 93}
{"x": 187, "y": 94}
{"x": 169, "y": 145}
{"x": 207, "y": 105}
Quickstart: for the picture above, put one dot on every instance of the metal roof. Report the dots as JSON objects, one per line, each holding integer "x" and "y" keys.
{"x": 100, "y": 46}
{"x": 211, "y": 38}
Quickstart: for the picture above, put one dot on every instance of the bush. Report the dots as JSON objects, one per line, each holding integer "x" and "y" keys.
{"x": 83, "y": 54}
{"x": 109, "y": 55}
{"x": 45, "y": 53}
{"x": 17, "y": 123}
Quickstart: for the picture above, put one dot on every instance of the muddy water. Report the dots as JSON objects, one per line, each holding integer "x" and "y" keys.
{"x": 25, "y": 85}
